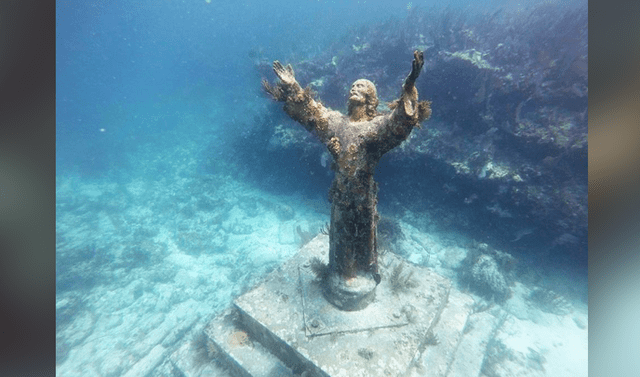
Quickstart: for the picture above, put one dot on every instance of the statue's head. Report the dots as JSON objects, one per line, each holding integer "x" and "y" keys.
{"x": 363, "y": 98}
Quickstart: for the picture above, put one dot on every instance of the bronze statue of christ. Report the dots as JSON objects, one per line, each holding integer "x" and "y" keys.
{"x": 356, "y": 142}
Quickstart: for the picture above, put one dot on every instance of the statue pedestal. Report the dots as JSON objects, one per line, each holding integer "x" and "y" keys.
{"x": 289, "y": 315}
{"x": 286, "y": 327}
{"x": 352, "y": 294}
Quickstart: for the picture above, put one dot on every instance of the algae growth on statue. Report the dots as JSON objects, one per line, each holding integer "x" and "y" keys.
{"x": 356, "y": 142}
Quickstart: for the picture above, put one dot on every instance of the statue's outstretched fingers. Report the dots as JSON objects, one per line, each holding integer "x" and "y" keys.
{"x": 278, "y": 68}
{"x": 418, "y": 59}
{"x": 416, "y": 65}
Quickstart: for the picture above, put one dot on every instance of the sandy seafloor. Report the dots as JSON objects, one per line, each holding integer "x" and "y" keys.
{"x": 177, "y": 246}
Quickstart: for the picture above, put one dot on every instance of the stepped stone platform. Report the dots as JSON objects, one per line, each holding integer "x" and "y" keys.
{"x": 418, "y": 325}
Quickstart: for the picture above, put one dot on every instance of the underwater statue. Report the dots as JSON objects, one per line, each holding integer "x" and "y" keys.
{"x": 356, "y": 142}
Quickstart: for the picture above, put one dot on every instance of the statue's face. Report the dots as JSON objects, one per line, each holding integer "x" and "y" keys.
{"x": 361, "y": 90}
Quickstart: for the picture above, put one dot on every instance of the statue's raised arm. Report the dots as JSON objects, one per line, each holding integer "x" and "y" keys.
{"x": 416, "y": 67}
{"x": 299, "y": 103}
{"x": 407, "y": 111}
{"x": 409, "y": 107}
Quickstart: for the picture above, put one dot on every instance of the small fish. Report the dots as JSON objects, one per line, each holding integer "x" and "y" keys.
{"x": 324, "y": 158}
{"x": 522, "y": 233}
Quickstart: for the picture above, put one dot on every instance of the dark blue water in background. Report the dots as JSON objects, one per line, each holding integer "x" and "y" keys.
{"x": 116, "y": 60}
{"x": 119, "y": 63}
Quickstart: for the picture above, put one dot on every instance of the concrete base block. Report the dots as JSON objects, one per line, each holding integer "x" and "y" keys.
{"x": 417, "y": 325}
{"x": 290, "y": 316}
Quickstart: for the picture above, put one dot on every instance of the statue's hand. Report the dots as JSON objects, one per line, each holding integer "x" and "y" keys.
{"x": 416, "y": 67}
{"x": 285, "y": 74}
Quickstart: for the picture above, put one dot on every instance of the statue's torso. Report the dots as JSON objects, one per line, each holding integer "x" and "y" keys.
{"x": 353, "y": 144}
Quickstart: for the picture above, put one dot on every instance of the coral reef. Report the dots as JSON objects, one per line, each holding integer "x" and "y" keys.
{"x": 501, "y": 360}
{"x": 488, "y": 272}
{"x": 497, "y": 353}
{"x": 550, "y": 301}
{"x": 319, "y": 269}
{"x": 80, "y": 268}
{"x": 203, "y": 350}
{"x": 325, "y": 229}
{"x": 488, "y": 279}
{"x": 366, "y": 353}
{"x": 400, "y": 281}
{"x": 431, "y": 338}
{"x": 389, "y": 232}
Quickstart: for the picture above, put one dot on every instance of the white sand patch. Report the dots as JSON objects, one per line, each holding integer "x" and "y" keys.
{"x": 559, "y": 346}
{"x": 181, "y": 261}
{"x": 105, "y": 222}
{"x": 137, "y": 187}
{"x": 92, "y": 190}
{"x": 139, "y": 213}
